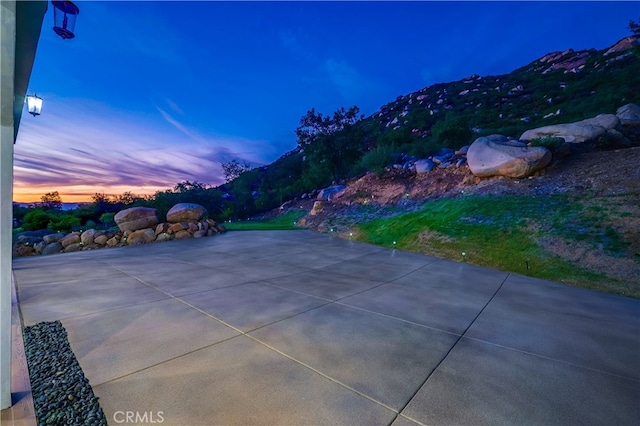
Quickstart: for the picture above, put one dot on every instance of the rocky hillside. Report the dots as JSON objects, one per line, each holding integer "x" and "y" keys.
{"x": 559, "y": 87}
{"x": 576, "y": 204}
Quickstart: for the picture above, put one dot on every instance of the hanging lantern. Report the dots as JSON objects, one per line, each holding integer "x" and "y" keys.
{"x": 34, "y": 104}
{"x": 64, "y": 18}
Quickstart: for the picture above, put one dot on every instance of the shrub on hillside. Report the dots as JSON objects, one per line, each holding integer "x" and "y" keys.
{"x": 376, "y": 159}
{"x": 552, "y": 143}
{"x": 452, "y": 132}
{"x": 421, "y": 148}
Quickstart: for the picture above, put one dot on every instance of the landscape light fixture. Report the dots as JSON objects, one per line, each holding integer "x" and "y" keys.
{"x": 34, "y": 104}
{"x": 64, "y": 18}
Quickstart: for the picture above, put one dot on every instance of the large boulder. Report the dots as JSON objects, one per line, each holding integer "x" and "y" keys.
{"x": 186, "y": 212}
{"x": 318, "y": 206}
{"x": 443, "y": 155}
{"x": 73, "y": 247}
{"x": 27, "y": 239}
{"x": 163, "y": 237}
{"x": 72, "y": 238}
{"x": 113, "y": 241}
{"x": 141, "y": 236}
{"x": 177, "y": 227}
{"x": 87, "y": 236}
{"x": 52, "y": 238}
{"x": 101, "y": 240}
{"x": 136, "y": 218}
{"x": 629, "y": 115}
{"x": 181, "y": 235}
{"x": 331, "y": 193}
{"x": 52, "y": 248}
{"x": 588, "y": 130}
{"x": 497, "y": 155}
{"x": 424, "y": 166}
{"x": 25, "y": 251}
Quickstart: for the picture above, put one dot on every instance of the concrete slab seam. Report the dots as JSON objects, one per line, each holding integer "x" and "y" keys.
{"x": 102, "y": 311}
{"x": 398, "y": 319}
{"x": 410, "y": 419}
{"x": 320, "y": 297}
{"x": 452, "y": 347}
{"x": 323, "y": 374}
{"x": 383, "y": 282}
{"x": 166, "y": 360}
{"x": 284, "y": 354}
{"x": 631, "y": 379}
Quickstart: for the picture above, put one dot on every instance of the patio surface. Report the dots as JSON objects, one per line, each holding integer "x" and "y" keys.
{"x": 295, "y": 327}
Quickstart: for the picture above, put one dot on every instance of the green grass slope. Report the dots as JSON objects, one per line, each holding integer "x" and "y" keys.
{"x": 535, "y": 236}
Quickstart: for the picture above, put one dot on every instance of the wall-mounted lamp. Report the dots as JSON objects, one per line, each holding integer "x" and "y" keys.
{"x": 34, "y": 104}
{"x": 64, "y": 18}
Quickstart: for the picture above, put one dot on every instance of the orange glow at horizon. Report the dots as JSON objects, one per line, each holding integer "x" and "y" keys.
{"x": 77, "y": 194}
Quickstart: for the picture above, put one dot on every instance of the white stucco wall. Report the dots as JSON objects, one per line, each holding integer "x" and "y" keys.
{"x": 7, "y": 65}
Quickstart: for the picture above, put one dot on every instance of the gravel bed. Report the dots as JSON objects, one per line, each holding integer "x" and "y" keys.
{"x": 61, "y": 393}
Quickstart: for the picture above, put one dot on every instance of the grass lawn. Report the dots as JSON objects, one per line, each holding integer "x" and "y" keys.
{"x": 518, "y": 234}
{"x": 284, "y": 222}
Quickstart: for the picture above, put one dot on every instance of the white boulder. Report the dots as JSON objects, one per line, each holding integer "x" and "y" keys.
{"x": 497, "y": 155}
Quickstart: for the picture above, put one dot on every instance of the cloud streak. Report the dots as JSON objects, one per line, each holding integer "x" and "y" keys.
{"x": 86, "y": 155}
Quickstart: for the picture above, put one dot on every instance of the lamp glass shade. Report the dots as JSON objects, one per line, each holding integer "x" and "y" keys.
{"x": 64, "y": 18}
{"x": 34, "y": 104}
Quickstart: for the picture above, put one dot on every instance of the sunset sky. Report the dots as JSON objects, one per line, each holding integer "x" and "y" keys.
{"x": 154, "y": 93}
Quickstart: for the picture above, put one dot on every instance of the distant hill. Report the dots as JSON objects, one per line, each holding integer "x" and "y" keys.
{"x": 65, "y": 206}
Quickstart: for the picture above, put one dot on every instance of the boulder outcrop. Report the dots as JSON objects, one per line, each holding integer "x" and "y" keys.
{"x": 186, "y": 212}
{"x": 136, "y": 218}
{"x": 629, "y": 115}
{"x": 588, "y": 130}
{"x": 424, "y": 166}
{"x": 331, "y": 192}
{"x": 497, "y": 155}
{"x": 318, "y": 206}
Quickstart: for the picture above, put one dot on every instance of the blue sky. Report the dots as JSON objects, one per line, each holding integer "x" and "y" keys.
{"x": 153, "y": 93}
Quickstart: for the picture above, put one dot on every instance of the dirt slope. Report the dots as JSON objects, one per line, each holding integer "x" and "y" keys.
{"x": 596, "y": 178}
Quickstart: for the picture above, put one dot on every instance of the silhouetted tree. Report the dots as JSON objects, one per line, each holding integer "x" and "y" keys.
{"x": 102, "y": 203}
{"x": 188, "y": 186}
{"x": 330, "y": 143}
{"x": 233, "y": 169}
{"x": 51, "y": 201}
{"x": 634, "y": 27}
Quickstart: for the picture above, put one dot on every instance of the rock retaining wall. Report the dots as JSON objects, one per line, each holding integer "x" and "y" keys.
{"x": 92, "y": 239}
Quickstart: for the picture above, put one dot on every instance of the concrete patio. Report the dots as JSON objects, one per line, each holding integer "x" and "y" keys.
{"x": 295, "y": 327}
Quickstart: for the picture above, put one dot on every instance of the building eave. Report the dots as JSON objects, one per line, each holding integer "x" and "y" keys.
{"x": 29, "y": 18}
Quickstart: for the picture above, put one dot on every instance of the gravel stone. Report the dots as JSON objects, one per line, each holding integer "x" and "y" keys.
{"x": 62, "y": 394}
